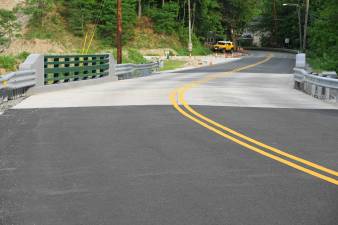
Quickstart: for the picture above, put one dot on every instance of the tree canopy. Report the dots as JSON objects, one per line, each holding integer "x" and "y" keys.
{"x": 228, "y": 18}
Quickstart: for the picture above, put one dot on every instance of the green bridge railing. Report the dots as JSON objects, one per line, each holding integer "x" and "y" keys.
{"x": 67, "y": 68}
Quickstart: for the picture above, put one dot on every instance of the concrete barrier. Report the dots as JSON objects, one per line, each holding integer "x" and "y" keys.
{"x": 300, "y": 60}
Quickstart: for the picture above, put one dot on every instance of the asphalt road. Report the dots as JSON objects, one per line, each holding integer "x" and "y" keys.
{"x": 124, "y": 155}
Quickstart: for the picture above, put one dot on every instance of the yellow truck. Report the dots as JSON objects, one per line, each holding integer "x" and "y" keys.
{"x": 224, "y": 46}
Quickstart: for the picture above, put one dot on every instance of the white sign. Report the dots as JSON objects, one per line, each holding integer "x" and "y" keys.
{"x": 190, "y": 47}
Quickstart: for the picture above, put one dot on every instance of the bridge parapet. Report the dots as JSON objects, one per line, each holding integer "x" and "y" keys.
{"x": 52, "y": 72}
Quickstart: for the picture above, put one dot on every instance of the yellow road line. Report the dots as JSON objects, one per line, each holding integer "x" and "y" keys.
{"x": 179, "y": 92}
{"x": 181, "y": 98}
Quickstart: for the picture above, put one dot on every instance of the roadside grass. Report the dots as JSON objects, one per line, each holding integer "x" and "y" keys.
{"x": 172, "y": 64}
{"x": 134, "y": 56}
{"x": 10, "y": 63}
{"x": 129, "y": 55}
{"x": 7, "y": 62}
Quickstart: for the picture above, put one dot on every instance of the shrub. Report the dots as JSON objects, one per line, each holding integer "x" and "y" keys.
{"x": 22, "y": 56}
{"x": 324, "y": 39}
{"x": 7, "y": 62}
{"x": 135, "y": 57}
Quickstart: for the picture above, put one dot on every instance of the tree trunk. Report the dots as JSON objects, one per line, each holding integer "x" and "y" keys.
{"x": 139, "y": 8}
{"x": 183, "y": 18}
{"x": 193, "y": 17}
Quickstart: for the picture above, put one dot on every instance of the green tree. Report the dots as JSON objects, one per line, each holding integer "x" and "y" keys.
{"x": 207, "y": 16}
{"x": 323, "y": 37}
{"x": 107, "y": 20}
{"x": 165, "y": 18}
{"x": 79, "y": 14}
{"x": 277, "y": 22}
{"x": 236, "y": 14}
{"x": 8, "y": 26}
{"x": 38, "y": 9}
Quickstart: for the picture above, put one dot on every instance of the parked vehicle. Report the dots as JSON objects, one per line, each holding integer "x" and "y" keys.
{"x": 224, "y": 46}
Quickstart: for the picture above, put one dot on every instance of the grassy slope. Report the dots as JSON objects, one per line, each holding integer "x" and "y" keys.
{"x": 172, "y": 64}
{"x": 146, "y": 38}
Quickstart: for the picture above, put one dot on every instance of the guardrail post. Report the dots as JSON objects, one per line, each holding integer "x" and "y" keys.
{"x": 4, "y": 94}
{"x": 327, "y": 93}
{"x": 35, "y": 62}
{"x": 112, "y": 67}
{"x": 313, "y": 90}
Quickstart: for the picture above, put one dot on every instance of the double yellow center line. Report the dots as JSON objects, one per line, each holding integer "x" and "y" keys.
{"x": 177, "y": 98}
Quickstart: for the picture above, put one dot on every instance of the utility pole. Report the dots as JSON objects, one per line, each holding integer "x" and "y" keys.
{"x": 119, "y": 32}
{"x": 190, "y": 42}
{"x": 307, "y": 6}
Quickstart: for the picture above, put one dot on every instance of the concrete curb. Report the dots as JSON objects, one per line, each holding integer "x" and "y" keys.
{"x": 63, "y": 86}
{"x": 195, "y": 67}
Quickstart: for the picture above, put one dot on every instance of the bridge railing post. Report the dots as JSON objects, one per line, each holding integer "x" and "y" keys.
{"x": 35, "y": 62}
{"x": 112, "y": 67}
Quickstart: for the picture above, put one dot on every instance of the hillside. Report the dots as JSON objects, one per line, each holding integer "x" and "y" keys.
{"x": 54, "y": 36}
{"x": 9, "y": 4}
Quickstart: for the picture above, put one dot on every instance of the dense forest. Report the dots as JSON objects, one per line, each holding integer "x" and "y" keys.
{"x": 268, "y": 19}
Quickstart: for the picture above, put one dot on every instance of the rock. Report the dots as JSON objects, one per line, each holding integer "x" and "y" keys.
{"x": 330, "y": 74}
{"x": 2, "y": 71}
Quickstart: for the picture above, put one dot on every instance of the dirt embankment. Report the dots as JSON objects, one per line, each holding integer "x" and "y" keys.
{"x": 34, "y": 46}
{"x": 9, "y": 4}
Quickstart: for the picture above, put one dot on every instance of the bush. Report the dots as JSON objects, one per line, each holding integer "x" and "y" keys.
{"x": 198, "y": 47}
{"x": 128, "y": 55}
{"x": 22, "y": 56}
{"x": 324, "y": 39}
{"x": 135, "y": 57}
{"x": 7, "y": 62}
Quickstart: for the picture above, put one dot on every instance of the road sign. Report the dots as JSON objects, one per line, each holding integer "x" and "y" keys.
{"x": 190, "y": 47}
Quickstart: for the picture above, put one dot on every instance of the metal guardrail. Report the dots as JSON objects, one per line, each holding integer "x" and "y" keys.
{"x": 272, "y": 49}
{"x": 318, "y": 86}
{"x": 16, "y": 84}
{"x": 301, "y": 75}
{"x": 127, "y": 71}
